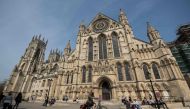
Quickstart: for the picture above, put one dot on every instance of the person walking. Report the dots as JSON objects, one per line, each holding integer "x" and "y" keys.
{"x": 1, "y": 97}
{"x": 18, "y": 100}
{"x": 46, "y": 101}
{"x": 7, "y": 101}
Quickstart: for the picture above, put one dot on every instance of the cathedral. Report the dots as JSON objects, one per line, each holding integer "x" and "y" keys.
{"x": 108, "y": 61}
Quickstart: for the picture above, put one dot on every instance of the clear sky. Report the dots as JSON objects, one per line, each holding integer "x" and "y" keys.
{"x": 58, "y": 21}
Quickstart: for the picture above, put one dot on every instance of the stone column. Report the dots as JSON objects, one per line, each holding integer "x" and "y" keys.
{"x": 114, "y": 93}
{"x": 57, "y": 89}
{"x": 15, "y": 81}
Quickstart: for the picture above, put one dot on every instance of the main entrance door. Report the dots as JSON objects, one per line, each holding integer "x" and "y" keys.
{"x": 106, "y": 90}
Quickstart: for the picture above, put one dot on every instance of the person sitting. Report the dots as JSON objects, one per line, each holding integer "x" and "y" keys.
{"x": 76, "y": 100}
{"x": 136, "y": 105}
{"x": 127, "y": 104}
{"x": 123, "y": 99}
{"x": 144, "y": 101}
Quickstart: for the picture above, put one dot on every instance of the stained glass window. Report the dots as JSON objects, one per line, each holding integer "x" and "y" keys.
{"x": 155, "y": 71}
{"x": 115, "y": 45}
{"x": 90, "y": 49}
{"x": 146, "y": 73}
{"x": 127, "y": 72}
{"x": 90, "y": 74}
{"x": 102, "y": 47}
{"x": 83, "y": 74}
{"x": 119, "y": 71}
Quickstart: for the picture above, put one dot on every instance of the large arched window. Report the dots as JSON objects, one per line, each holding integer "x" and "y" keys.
{"x": 127, "y": 72}
{"x": 83, "y": 74}
{"x": 90, "y": 49}
{"x": 155, "y": 71}
{"x": 146, "y": 72}
{"x": 115, "y": 45}
{"x": 90, "y": 74}
{"x": 102, "y": 47}
{"x": 119, "y": 71}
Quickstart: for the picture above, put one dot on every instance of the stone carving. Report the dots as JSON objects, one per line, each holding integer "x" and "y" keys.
{"x": 103, "y": 68}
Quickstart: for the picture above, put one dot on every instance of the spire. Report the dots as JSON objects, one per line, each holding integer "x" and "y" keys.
{"x": 67, "y": 49}
{"x": 152, "y": 33}
{"x": 68, "y": 45}
{"x": 150, "y": 28}
{"x": 122, "y": 17}
{"x": 82, "y": 26}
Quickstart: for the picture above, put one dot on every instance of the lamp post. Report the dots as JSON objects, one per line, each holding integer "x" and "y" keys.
{"x": 158, "y": 106}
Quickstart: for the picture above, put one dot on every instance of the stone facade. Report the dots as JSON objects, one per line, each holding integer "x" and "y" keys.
{"x": 108, "y": 61}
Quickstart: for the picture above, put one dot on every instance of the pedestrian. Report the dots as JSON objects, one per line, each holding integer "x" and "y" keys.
{"x": 89, "y": 103}
{"x": 77, "y": 100}
{"x": 18, "y": 100}
{"x": 7, "y": 101}
{"x": 127, "y": 104}
{"x": 1, "y": 97}
{"x": 136, "y": 104}
{"x": 46, "y": 101}
{"x": 162, "y": 103}
{"x": 130, "y": 100}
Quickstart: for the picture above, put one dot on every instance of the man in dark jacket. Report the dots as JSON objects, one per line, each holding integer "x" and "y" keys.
{"x": 18, "y": 100}
{"x": 1, "y": 97}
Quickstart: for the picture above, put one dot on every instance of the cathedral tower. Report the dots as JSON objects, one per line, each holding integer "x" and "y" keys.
{"x": 24, "y": 71}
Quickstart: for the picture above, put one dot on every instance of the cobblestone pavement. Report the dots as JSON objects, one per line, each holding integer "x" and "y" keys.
{"x": 60, "y": 105}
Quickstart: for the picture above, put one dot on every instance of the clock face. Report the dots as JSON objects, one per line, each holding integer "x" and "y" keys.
{"x": 100, "y": 25}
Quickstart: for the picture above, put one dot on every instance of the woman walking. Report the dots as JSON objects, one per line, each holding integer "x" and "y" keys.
{"x": 18, "y": 100}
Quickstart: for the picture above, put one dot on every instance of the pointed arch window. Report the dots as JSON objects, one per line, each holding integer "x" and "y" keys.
{"x": 119, "y": 71}
{"x": 90, "y": 74}
{"x": 72, "y": 78}
{"x": 127, "y": 72}
{"x": 90, "y": 49}
{"x": 146, "y": 73}
{"x": 155, "y": 71}
{"x": 83, "y": 74}
{"x": 115, "y": 45}
{"x": 102, "y": 47}
{"x": 36, "y": 55}
{"x": 68, "y": 79}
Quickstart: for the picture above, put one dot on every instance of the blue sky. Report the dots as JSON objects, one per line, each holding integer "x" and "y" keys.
{"x": 58, "y": 21}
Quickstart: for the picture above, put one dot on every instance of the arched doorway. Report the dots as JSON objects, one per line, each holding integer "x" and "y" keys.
{"x": 106, "y": 90}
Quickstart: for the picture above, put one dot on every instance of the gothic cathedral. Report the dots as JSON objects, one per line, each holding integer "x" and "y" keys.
{"x": 108, "y": 61}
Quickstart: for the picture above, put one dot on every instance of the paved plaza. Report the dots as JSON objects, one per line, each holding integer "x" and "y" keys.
{"x": 59, "y": 105}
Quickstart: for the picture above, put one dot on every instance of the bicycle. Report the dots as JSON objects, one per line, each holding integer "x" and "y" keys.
{"x": 99, "y": 106}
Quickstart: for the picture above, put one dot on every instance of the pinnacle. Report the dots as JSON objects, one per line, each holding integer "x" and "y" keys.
{"x": 150, "y": 28}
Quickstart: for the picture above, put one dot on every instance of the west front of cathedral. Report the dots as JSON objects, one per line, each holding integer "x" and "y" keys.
{"x": 108, "y": 61}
